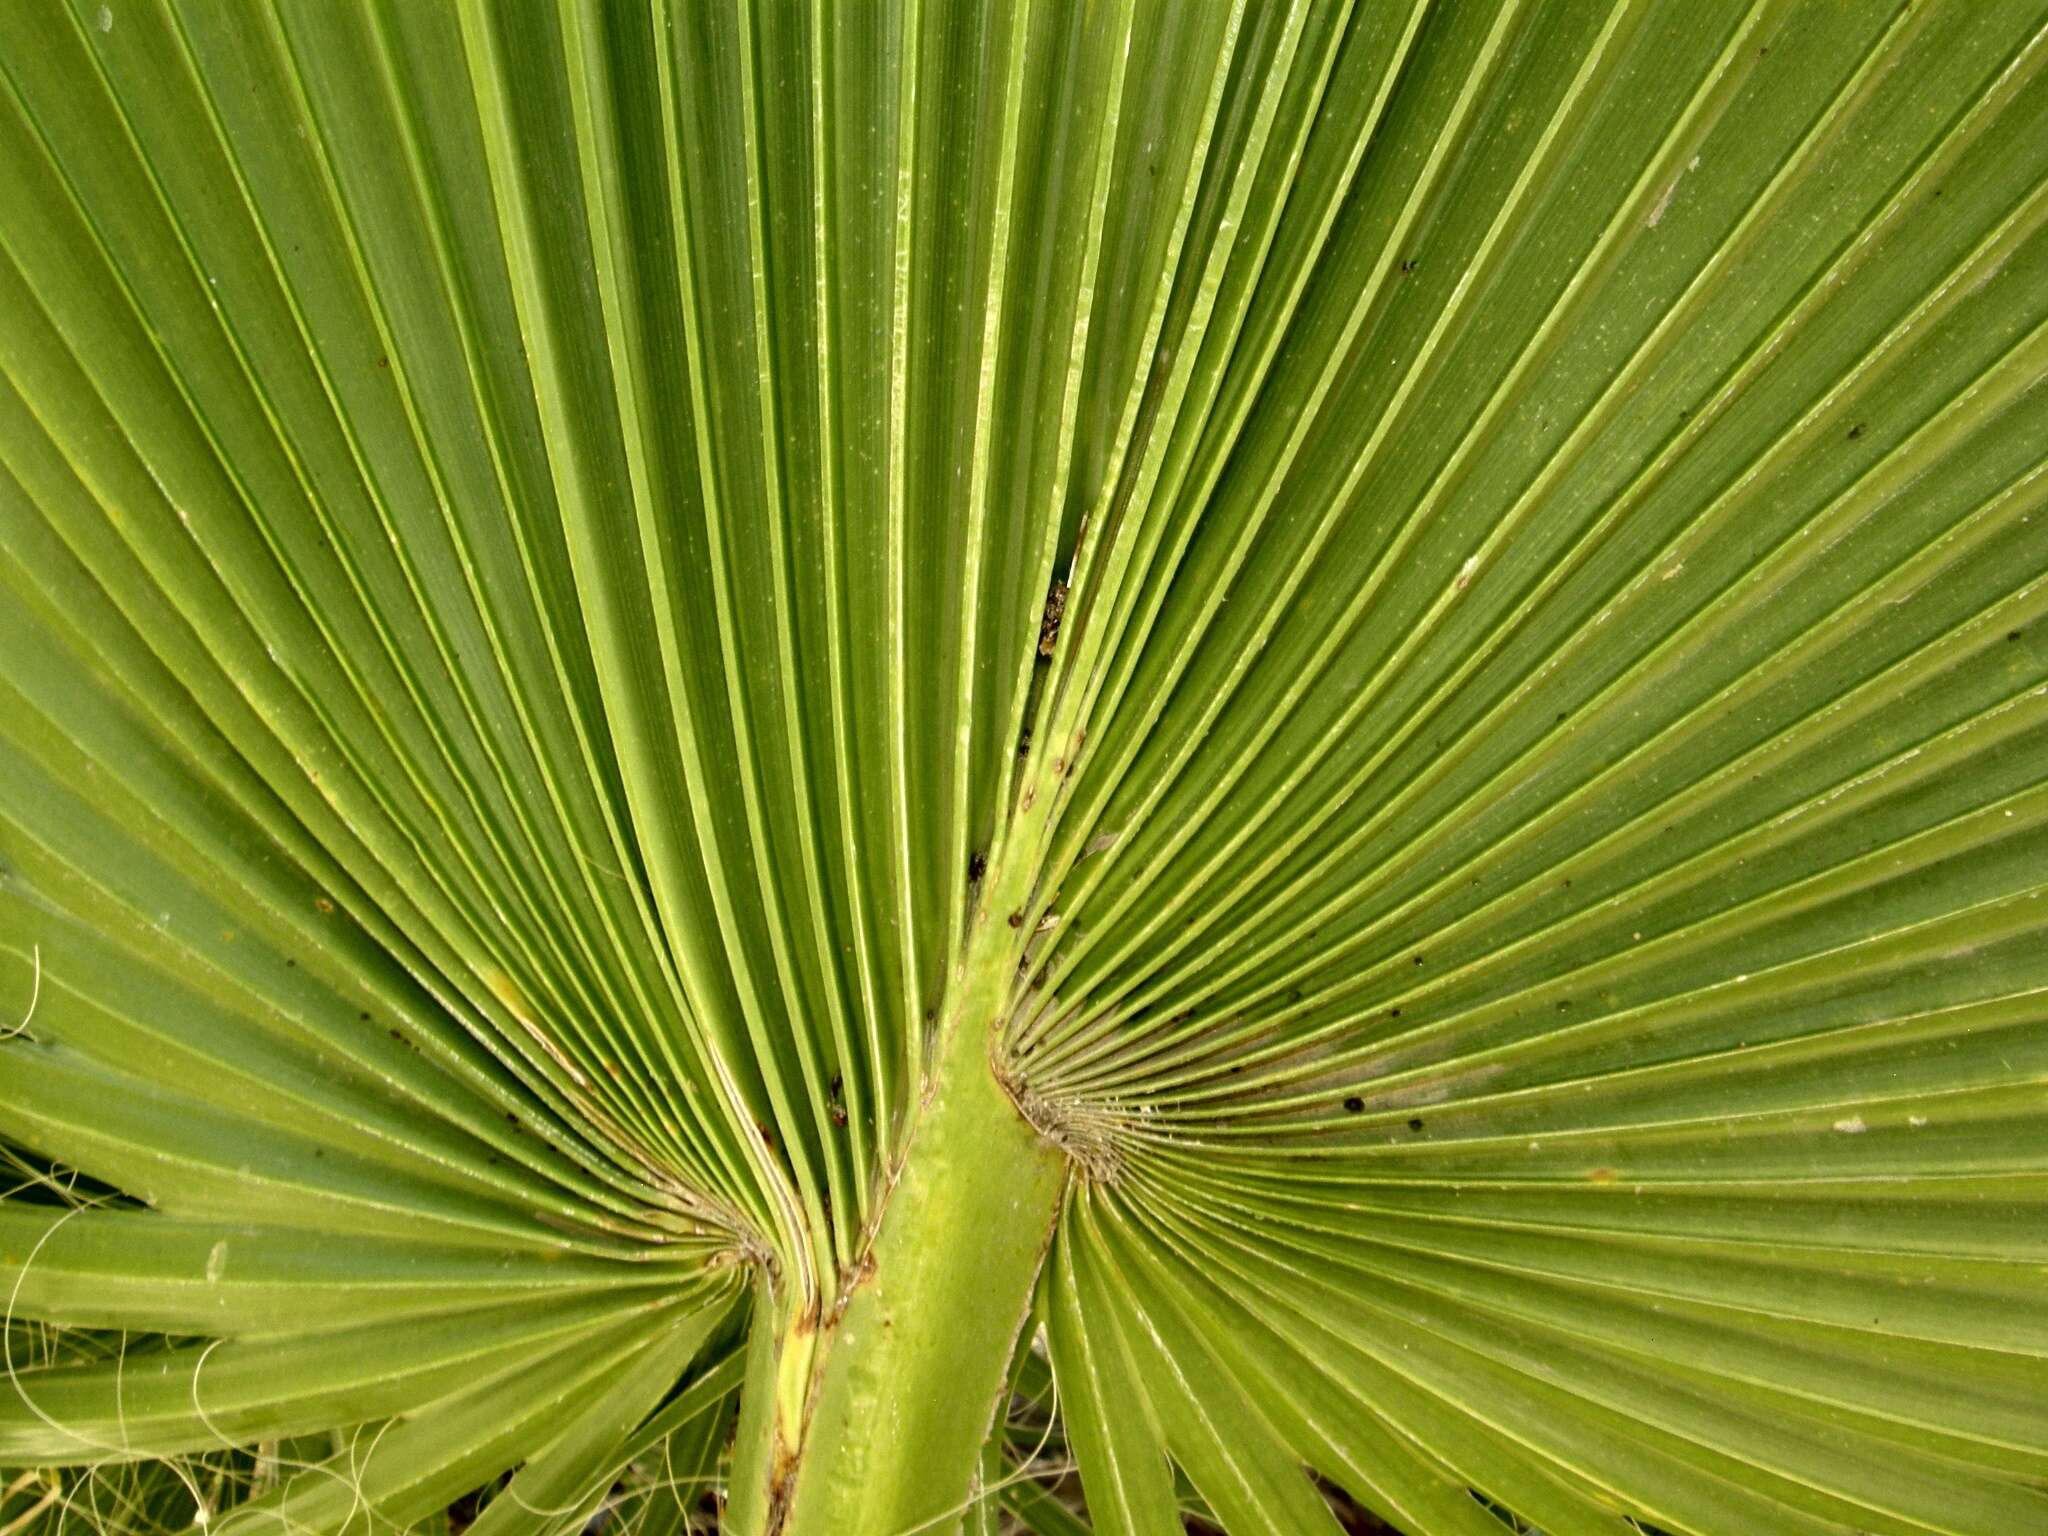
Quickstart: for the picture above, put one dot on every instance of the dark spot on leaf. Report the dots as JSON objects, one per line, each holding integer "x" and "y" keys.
{"x": 977, "y": 865}
{"x": 1354, "y": 1104}
{"x": 1856, "y": 431}
{"x": 1049, "y": 624}
{"x": 1415, "y": 1124}
{"x": 1016, "y": 919}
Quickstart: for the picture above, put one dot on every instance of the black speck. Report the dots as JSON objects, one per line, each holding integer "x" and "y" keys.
{"x": 1354, "y": 1104}
{"x": 1856, "y": 431}
{"x": 977, "y": 865}
{"x": 1415, "y": 1124}
{"x": 2012, "y": 634}
{"x": 1016, "y": 919}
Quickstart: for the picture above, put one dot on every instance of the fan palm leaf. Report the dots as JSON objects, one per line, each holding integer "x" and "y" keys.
{"x": 1025, "y": 766}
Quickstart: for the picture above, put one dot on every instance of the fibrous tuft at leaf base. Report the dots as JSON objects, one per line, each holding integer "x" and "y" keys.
{"x": 1024, "y": 766}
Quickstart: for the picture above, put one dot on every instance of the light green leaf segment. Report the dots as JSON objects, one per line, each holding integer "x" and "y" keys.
{"x": 802, "y": 763}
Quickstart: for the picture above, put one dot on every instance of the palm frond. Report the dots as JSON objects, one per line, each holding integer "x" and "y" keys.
{"x": 1308, "y": 734}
